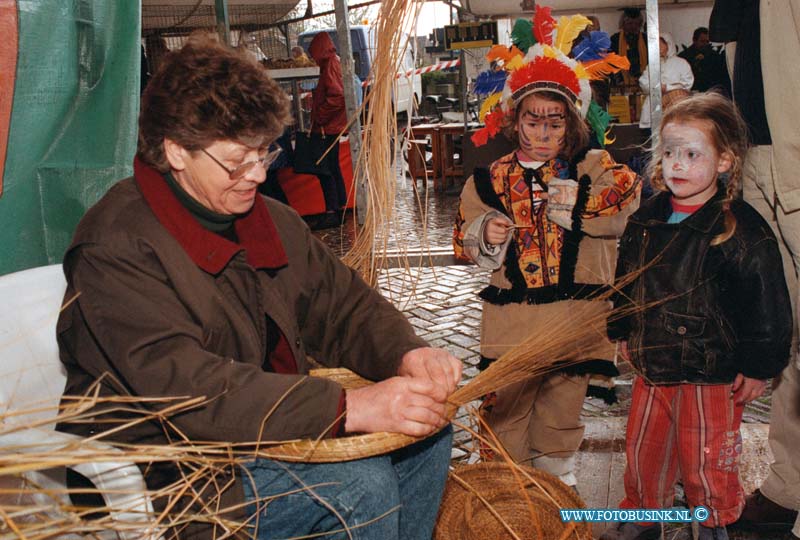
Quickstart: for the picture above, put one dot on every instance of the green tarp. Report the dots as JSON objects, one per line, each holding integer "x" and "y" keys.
{"x": 73, "y": 121}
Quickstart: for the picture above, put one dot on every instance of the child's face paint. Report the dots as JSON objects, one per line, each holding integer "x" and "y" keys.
{"x": 542, "y": 125}
{"x": 690, "y": 162}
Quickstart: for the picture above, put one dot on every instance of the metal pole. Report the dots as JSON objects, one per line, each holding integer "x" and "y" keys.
{"x": 296, "y": 106}
{"x": 223, "y": 21}
{"x": 463, "y": 76}
{"x": 654, "y": 68}
{"x": 345, "y": 50}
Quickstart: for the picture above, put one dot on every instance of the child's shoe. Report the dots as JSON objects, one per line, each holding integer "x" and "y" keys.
{"x": 632, "y": 531}
{"x": 712, "y": 533}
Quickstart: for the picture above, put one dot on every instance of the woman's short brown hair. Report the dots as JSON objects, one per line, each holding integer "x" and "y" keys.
{"x": 576, "y": 137}
{"x": 206, "y": 92}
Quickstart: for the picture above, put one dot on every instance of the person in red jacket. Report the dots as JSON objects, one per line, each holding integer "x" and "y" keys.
{"x": 329, "y": 117}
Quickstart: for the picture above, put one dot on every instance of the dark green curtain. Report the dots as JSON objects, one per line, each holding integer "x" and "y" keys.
{"x": 73, "y": 121}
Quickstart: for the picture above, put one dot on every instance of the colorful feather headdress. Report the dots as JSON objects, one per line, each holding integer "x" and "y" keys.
{"x": 538, "y": 61}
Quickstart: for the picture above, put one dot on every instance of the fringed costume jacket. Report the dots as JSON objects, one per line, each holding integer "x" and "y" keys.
{"x": 544, "y": 274}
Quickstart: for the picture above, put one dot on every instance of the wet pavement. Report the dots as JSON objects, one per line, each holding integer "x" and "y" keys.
{"x": 439, "y": 297}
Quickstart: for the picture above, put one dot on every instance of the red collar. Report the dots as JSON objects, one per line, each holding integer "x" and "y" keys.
{"x": 684, "y": 208}
{"x": 256, "y": 231}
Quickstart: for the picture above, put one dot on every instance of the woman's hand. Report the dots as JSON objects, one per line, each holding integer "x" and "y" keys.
{"x": 437, "y": 365}
{"x": 414, "y": 402}
{"x": 496, "y": 230}
{"x": 745, "y": 389}
{"x": 397, "y": 405}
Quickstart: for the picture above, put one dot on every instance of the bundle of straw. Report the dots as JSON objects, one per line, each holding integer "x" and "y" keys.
{"x": 562, "y": 344}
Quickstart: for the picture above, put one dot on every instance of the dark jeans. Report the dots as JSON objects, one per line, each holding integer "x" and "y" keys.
{"x": 391, "y": 497}
{"x": 333, "y": 187}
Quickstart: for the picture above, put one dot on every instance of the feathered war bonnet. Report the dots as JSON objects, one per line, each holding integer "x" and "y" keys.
{"x": 539, "y": 61}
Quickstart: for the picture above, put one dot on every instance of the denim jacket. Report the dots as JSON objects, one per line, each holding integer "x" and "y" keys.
{"x": 693, "y": 312}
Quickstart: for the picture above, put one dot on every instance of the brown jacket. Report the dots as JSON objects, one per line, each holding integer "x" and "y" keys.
{"x": 168, "y": 309}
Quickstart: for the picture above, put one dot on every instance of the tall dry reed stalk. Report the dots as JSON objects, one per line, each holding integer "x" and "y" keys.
{"x": 377, "y": 161}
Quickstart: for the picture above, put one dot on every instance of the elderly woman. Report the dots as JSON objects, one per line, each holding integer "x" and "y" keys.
{"x": 191, "y": 284}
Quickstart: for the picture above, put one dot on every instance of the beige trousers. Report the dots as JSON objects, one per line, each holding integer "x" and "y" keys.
{"x": 538, "y": 422}
{"x": 783, "y": 483}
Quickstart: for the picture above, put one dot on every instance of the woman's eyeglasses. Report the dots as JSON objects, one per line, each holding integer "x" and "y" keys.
{"x": 242, "y": 170}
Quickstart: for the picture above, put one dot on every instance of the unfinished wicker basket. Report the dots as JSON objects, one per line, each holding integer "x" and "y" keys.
{"x": 341, "y": 448}
{"x": 490, "y": 500}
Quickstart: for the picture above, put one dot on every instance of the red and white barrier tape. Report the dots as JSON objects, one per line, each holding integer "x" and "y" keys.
{"x": 435, "y": 67}
{"x": 427, "y": 69}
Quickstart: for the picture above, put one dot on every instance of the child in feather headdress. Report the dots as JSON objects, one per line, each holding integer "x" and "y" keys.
{"x": 544, "y": 219}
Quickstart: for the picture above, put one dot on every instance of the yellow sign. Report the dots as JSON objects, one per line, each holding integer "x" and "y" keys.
{"x": 472, "y": 35}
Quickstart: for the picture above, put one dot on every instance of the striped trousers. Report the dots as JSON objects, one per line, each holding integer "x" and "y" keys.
{"x": 686, "y": 429}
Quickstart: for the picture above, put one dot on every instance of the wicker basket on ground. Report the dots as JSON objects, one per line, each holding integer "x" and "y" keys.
{"x": 502, "y": 501}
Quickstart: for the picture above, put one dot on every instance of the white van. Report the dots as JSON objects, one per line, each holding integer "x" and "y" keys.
{"x": 408, "y": 90}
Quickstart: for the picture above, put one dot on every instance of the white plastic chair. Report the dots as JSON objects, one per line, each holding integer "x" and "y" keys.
{"x": 32, "y": 380}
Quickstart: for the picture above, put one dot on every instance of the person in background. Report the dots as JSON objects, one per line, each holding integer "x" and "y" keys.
{"x": 183, "y": 282}
{"x": 329, "y": 117}
{"x": 708, "y": 64}
{"x": 300, "y": 58}
{"x": 703, "y": 311}
{"x": 631, "y": 42}
{"x": 764, "y": 44}
{"x": 676, "y": 76}
{"x": 155, "y": 50}
{"x": 272, "y": 187}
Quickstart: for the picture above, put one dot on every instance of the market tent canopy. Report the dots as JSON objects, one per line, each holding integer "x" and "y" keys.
{"x": 183, "y": 16}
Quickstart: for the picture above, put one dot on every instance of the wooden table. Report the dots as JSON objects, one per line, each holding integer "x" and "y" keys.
{"x": 417, "y": 141}
{"x": 450, "y": 168}
{"x": 444, "y": 166}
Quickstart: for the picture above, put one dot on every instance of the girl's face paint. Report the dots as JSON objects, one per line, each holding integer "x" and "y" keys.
{"x": 690, "y": 162}
{"x": 542, "y": 125}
